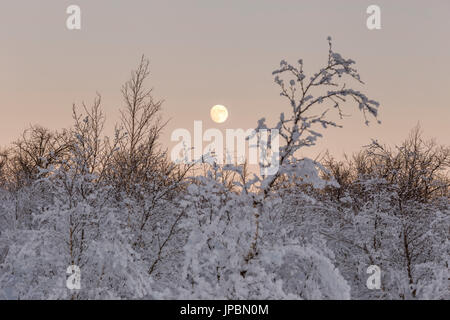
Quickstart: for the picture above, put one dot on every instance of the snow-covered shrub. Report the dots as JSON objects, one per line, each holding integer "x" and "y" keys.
{"x": 219, "y": 258}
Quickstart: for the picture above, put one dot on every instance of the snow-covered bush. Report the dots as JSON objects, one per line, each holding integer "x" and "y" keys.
{"x": 219, "y": 261}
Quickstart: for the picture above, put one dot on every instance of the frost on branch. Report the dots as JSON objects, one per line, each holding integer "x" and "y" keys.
{"x": 311, "y": 100}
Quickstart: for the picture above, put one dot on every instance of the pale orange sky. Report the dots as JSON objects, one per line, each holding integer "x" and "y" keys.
{"x": 223, "y": 52}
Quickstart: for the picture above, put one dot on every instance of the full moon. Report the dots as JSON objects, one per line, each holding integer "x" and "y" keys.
{"x": 219, "y": 113}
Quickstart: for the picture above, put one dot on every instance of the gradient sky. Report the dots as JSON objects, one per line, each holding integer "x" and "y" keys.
{"x": 211, "y": 52}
